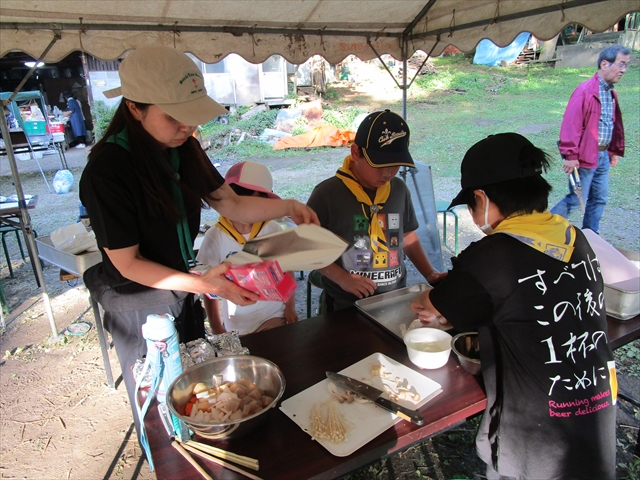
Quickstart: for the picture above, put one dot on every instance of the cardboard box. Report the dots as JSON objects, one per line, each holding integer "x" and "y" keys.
{"x": 305, "y": 247}
{"x": 264, "y": 278}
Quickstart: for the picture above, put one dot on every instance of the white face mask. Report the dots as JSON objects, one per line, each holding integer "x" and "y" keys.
{"x": 486, "y": 228}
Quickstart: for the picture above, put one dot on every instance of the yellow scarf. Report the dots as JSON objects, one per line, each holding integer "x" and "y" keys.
{"x": 227, "y": 227}
{"x": 547, "y": 233}
{"x": 376, "y": 234}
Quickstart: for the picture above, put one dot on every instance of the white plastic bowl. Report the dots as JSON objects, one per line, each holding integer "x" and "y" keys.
{"x": 428, "y": 347}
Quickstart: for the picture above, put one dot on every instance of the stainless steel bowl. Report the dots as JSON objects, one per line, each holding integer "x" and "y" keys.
{"x": 466, "y": 346}
{"x": 263, "y": 373}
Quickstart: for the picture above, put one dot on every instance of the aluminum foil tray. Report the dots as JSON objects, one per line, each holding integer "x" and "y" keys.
{"x": 392, "y": 310}
{"x": 76, "y": 264}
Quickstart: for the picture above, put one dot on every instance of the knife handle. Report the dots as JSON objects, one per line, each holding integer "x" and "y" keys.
{"x": 404, "y": 413}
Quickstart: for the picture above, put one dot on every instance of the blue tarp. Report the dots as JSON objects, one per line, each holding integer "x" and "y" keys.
{"x": 488, "y": 53}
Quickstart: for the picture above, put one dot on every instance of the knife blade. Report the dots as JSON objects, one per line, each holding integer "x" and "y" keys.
{"x": 375, "y": 395}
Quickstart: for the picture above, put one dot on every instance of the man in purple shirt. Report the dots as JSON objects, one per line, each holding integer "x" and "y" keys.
{"x": 592, "y": 136}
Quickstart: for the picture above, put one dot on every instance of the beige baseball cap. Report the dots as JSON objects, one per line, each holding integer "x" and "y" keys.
{"x": 168, "y": 78}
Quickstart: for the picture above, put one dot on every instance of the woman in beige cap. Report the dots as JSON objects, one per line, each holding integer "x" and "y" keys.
{"x": 143, "y": 187}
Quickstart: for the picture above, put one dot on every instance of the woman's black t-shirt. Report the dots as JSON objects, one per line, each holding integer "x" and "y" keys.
{"x": 113, "y": 196}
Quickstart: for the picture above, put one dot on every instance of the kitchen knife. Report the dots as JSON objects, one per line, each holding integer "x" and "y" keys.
{"x": 375, "y": 395}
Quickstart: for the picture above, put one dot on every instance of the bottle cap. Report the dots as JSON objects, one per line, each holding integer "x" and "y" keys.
{"x": 158, "y": 327}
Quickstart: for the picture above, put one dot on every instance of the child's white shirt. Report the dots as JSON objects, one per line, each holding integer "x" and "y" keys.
{"x": 216, "y": 247}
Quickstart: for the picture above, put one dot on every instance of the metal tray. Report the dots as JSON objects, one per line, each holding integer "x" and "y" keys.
{"x": 76, "y": 264}
{"x": 392, "y": 310}
{"x": 622, "y": 300}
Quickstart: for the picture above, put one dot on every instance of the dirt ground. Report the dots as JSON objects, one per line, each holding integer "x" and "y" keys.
{"x": 60, "y": 420}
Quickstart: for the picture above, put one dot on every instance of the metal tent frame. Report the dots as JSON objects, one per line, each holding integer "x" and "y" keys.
{"x": 333, "y": 29}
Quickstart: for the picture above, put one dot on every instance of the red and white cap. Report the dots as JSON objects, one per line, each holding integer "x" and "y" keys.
{"x": 253, "y": 176}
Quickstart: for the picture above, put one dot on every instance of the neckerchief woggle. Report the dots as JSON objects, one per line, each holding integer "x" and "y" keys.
{"x": 227, "y": 227}
{"x": 184, "y": 234}
{"x": 376, "y": 234}
{"x": 550, "y": 234}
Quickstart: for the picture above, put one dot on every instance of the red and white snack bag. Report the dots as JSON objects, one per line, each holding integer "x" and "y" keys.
{"x": 264, "y": 278}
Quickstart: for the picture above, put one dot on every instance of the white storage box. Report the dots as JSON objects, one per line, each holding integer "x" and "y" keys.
{"x": 622, "y": 300}
{"x": 621, "y": 273}
{"x": 76, "y": 264}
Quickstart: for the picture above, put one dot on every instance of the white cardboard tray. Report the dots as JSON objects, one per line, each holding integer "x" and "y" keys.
{"x": 368, "y": 420}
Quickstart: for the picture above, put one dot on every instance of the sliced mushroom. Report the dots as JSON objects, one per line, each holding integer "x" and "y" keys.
{"x": 333, "y": 390}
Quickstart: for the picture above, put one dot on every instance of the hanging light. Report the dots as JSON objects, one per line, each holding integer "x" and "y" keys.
{"x": 33, "y": 64}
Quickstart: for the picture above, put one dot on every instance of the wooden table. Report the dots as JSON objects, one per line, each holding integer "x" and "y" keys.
{"x": 304, "y": 351}
{"x": 621, "y": 332}
{"x": 10, "y": 212}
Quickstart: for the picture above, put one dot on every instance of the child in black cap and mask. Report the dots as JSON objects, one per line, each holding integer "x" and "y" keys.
{"x": 367, "y": 205}
{"x": 534, "y": 292}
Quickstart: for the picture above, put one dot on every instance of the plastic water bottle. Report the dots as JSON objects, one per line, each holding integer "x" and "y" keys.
{"x": 83, "y": 215}
{"x": 160, "y": 333}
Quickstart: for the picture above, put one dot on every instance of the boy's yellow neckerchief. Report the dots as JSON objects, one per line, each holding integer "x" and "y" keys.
{"x": 376, "y": 234}
{"x": 547, "y": 233}
{"x": 227, "y": 227}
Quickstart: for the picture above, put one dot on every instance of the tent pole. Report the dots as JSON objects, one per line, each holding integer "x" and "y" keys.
{"x": 27, "y": 231}
{"x": 404, "y": 79}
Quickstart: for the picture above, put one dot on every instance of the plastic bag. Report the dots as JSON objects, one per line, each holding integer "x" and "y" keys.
{"x": 62, "y": 181}
{"x": 74, "y": 239}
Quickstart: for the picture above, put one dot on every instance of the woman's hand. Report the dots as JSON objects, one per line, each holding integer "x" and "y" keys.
{"x": 300, "y": 213}
{"x": 219, "y": 285}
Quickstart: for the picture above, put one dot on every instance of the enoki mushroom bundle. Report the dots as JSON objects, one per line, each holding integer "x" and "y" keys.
{"x": 327, "y": 423}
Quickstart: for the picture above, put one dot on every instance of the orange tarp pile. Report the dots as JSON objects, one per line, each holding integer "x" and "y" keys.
{"x": 322, "y": 136}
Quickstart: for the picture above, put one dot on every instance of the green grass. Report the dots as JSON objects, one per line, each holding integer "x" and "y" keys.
{"x": 445, "y": 124}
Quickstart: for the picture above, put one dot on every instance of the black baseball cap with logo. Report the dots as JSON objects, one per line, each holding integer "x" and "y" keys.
{"x": 383, "y": 138}
{"x": 495, "y": 159}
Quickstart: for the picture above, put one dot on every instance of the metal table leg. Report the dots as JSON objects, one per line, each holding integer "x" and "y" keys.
{"x": 62, "y": 157}
{"x": 103, "y": 341}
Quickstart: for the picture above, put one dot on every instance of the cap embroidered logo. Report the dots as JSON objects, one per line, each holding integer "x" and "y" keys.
{"x": 387, "y": 137}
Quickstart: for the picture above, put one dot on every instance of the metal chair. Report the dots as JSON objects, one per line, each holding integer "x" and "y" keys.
{"x": 313, "y": 279}
{"x": 4, "y": 306}
{"x": 4, "y": 229}
{"x": 443, "y": 207}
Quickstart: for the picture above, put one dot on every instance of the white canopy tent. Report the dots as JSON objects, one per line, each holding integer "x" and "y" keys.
{"x": 296, "y": 29}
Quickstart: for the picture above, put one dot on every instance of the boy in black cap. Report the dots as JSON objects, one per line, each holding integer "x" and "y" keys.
{"x": 534, "y": 292}
{"x": 371, "y": 209}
